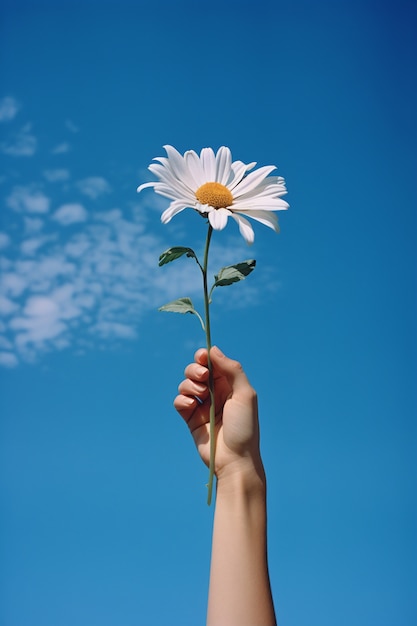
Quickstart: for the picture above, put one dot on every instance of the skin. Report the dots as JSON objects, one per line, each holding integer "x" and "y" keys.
{"x": 239, "y": 592}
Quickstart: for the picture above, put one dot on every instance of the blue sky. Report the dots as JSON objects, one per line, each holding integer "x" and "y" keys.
{"x": 104, "y": 519}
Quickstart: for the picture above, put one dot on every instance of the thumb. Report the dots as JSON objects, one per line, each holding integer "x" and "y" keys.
{"x": 232, "y": 370}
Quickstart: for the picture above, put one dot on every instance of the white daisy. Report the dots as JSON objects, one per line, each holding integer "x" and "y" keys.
{"x": 217, "y": 188}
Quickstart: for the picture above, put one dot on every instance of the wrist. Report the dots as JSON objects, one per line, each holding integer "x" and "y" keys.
{"x": 244, "y": 476}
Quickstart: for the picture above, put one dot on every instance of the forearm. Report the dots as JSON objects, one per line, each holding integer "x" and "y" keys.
{"x": 240, "y": 592}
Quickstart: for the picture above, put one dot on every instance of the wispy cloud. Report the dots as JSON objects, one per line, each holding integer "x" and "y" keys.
{"x": 23, "y": 143}
{"x": 4, "y": 240}
{"x": 7, "y": 307}
{"x": 30, "y": 247}
{"x": 94, "y": 186}
{"x": 70, "y": 214}
{"x": 60, "y": 290}
{"x": 28, "y": 198}
{"x": 73, "y": 128}
{"x": 57, "y": 175}
{"x": 9, "y": 108}
{"x": 8, "y": 359}
{"x": 61, "y": 148}
{"x": 32, "y": 225}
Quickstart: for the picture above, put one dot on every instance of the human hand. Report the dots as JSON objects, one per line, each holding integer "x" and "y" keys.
{"x": 237, "y": 430}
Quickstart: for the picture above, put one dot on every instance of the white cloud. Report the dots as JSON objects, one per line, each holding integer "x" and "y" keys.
{"x": 73, "y": 128}
{"x": 8, "y": 109}
{"x": 97, "y": 282}
{"x": 8, "y": 359}
{"x": 28, "y": 198}
{"x": 36, "y": 330}
{"x": 24, "y": 143}
{"x": 4, "y": 240}
{"x": 31, "y": 246}
{"x": 61, "y": 148}
{"x": 94, "y": 186}
{"x": 57, "y": 175}
{"x": 49, "y": 267}
{"x": 65, "y": 298}
{"x": 114, "y": 330}
{"x": 7, "y": 306}
{"x": 5, "y": 344}
{"x": 108, "y": 216}
{"x": 39, "y": 306}
{"x": 78, "y": 245}
{"x": 42, "y": 323}
{"x": 12, "y": 284}
{"x": 32, "y": 225}
{"x": 70, "y": 214}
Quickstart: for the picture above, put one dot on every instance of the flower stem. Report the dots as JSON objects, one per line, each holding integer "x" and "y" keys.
{"x": 210, "y": 368}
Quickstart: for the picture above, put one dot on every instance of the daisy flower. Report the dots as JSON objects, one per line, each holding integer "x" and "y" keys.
{"x": 218, "y": 188}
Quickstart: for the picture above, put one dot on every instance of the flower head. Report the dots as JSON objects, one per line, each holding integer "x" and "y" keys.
{"x": 216, "y": 187}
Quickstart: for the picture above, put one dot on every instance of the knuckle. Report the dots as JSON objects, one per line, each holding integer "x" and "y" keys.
{"x": 236, "y": 366}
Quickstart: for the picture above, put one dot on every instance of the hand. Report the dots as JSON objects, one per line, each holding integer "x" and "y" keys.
{"x": 237, "y": 431}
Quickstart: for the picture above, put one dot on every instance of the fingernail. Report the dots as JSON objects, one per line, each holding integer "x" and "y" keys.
{"x": 218, "y": 351}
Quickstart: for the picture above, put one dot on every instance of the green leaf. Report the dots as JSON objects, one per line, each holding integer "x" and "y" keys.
{"x": 234, "y": 273}
{"x": 175, "y": 253}
{"x": 182, "y": 305}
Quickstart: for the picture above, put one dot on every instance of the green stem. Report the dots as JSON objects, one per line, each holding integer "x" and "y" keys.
{"x": 210, "y": 368}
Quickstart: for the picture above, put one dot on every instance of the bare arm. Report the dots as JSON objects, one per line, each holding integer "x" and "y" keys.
{"x": 239, "y": 593}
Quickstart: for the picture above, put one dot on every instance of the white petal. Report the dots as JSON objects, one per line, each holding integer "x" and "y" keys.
{"x": 163, "y": 160}
{"x": 252, "y": 180}
{"x": 168, "y": 177}
{"x": 177, "y": 167}
{"x": 271, "y": 186}
{"x": 223, "y": 165}
{"x": 245, "y": 228}
{"x": 175, "y": 207}
{"x": 195, "y": 169}
{"x": 264, "y": 217}
{"x": 239, "y": 169}
{"x": 203, "y": 208}
{"x": 218, "y": 218}
{"x": 168, "y": 192}
{"x": 208, "y": 161}
{"x": 270, "y": 191}
{"x": 259, "y": 203}
{"x": 176, "y": 161}
{"x": 139, "y": 189}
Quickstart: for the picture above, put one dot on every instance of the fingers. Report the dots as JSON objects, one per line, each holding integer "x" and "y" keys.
{"x": 190, "y": 410}
{"x": 201, "y": 356}
{"x": 193, "y": 412}
{"x": 186, "y": 406}
{"x": 193, "y": 392}
{"x": 197, "y": 373}
{"x": 222, "y": 366}
{"x": 193, "y": 389}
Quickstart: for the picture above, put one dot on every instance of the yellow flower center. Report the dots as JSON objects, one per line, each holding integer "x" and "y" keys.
{"x": 214, "y": 194}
